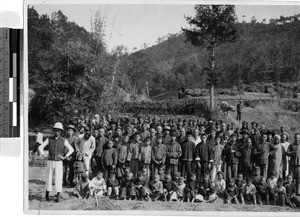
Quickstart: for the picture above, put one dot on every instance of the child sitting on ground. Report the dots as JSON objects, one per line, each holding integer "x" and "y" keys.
{"x": 178, "y": 193}
{"x": 168, "y": 187}
{"x": 156, "y": 187}
{"x": 206, "y": 191}
{"x": 290, "y": 191}
{"x": 127, "y": 187}
{"x": 271, "y": 182}
{"x": 260, "y": 185}
{"x": 79, "y": 168}
{"x": 231, "y": 192}
{"x": 112, "y": 186}
{"x": 191, "y": 188}
{"x": 82, "y": 187}
{"x": 250, "y": 191}
{"x": 240, "y": 184}
{"x": 279, "y": 192}
{"x": 219, "y": 184}
{"x": 98, "y": 185}
{"x": 141, "y": 187}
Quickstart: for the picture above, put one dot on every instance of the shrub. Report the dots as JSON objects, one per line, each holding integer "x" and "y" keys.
{"x": 192, "y": 106}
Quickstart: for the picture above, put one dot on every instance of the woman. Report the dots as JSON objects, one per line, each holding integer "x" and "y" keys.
{"x": 276, "y": 157}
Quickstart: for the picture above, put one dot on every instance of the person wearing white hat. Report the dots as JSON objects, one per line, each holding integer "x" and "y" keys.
{"x": 57, "y": 145}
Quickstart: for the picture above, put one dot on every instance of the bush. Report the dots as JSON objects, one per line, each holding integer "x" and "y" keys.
{"x": 197, "y": 107}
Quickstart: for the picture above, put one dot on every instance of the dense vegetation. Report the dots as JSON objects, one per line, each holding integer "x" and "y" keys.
{"x": 71, "y": 71}
{"x": 264, "y": 52}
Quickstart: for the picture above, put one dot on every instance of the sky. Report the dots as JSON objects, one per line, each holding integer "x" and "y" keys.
{"x": 133, "y": 25}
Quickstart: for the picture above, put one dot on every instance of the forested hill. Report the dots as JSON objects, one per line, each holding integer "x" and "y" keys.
{"x": 264, "y": 52}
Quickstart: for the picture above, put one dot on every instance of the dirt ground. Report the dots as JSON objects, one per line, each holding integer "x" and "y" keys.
{"x": 36, "y": 191}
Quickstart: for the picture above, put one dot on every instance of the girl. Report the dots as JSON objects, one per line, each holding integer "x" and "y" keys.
{"x": 79, "y": 168}
{"x": 217, "y": 150}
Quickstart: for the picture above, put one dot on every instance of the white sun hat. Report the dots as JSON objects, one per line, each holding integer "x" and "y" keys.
{"x": 58, "y": 125}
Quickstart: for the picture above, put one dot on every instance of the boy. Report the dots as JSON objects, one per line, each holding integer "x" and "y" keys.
{"x": 217, "y": 150}
{"x": 205, "y": 187}
{"x": 261, "y": 155}
{"x": 178, "y": 193}
{"x": 133, "y": 154}
{"x": 168, "y": 187}
{"x": 122, "y": 151}
{"x": 191, "y": 189}
{"x": 173, "y": 154}
{"x": 290, "y": 191}
{"x": 158, "y": 155}
{"x": 79, "y": 167}
{"x": 112, "y": 185}
{"x": 203, "y": 156}
{"x": 271, "y": 182}
{"x": 82, "y": 187}
{"x": 109, "y": 159}
{"x": 156, "y": 187}
{"x": 260, "y": 185}
{"x": 141, "y": 187}
{"x": 246, "y": 159}
{"x": 127, "y": 187}
{"x": 279, "y": 192}
{"x": 145, "y": 155}
{"x": 231, "y": 155}
{"x": 97, "y": 185}
{"x": 231, "y": 192}
{"x": 240, "y": 184}
{"x": 219, "y": 184}
{"x": 250, "y": 191}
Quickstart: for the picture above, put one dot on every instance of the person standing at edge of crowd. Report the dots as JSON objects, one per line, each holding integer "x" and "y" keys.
{"x": 294, "y": 153}
{"x": 85, "y": 145}
{"x": 54, "y": 163}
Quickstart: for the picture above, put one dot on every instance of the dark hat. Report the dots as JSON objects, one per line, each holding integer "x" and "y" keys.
{"x": 173, "y": 133}
{"x": 245, "y": 131}
{"x": 270, "y": 132}
{"x": 201, "y": 125}
{"x": 234, "y": 135}
{"x": 112, "y": 122}
{"x": 189, "y": 133}
{"x": 86, "y": 128}
{"x": 158, "y": 136}
{"x": 71, "y": 127}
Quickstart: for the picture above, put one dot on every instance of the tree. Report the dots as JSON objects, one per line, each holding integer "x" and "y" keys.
{"x": 212, "y": 25}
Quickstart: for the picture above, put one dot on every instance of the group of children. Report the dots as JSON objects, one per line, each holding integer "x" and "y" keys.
{"x": 147, "y": 158}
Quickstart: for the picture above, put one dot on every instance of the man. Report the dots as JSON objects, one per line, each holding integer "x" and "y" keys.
{"x": 294, "y": 152}
{"x": 55, "y": 158}
{"x": 197, "y": 137}
{"x": 101, "y": 145}
{"x": 188, "y": 150}
{"x": 158, "y": 156}
{"x": 144, "y": 133}
{"x": 68, "y": 163}
{"x": 167, "y": 138}
{"x": 239, "y": 109}
{"x": 173, "y": 154}
{"x": 86, "y": 145}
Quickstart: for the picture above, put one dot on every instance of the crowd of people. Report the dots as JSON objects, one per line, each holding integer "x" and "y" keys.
{"x": 150, "y": 158}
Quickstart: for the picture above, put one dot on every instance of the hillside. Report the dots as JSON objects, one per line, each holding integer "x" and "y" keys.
{"x": 263, "y": 53}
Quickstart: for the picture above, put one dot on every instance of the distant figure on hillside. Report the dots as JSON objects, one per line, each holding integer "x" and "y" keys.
{"x": 180, "y": 92}
{"x": 239, "y": 109}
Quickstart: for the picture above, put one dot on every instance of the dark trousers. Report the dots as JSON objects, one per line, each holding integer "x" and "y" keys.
{"x": 134, "y": 167}
{"x": 68, "y": 171}
{"x": 171, "y": 169}
{"x": 238, "y": 116}
{"x": 99, "y": 166}
{"x": 107, "y": 170}
{"x": 200, "y": 171}
{"x": 186, "y": 168}
{"x": 232, "y": 170}
{"x": 295, "y": 171}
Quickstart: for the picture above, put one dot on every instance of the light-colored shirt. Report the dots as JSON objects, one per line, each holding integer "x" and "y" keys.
{"x": 39, "y": 138}
{"x": 66, "y": 144}
{"x": 98, "y": 184}
{"x": 196, "y": 140}
{"x": 85, "y": 147}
